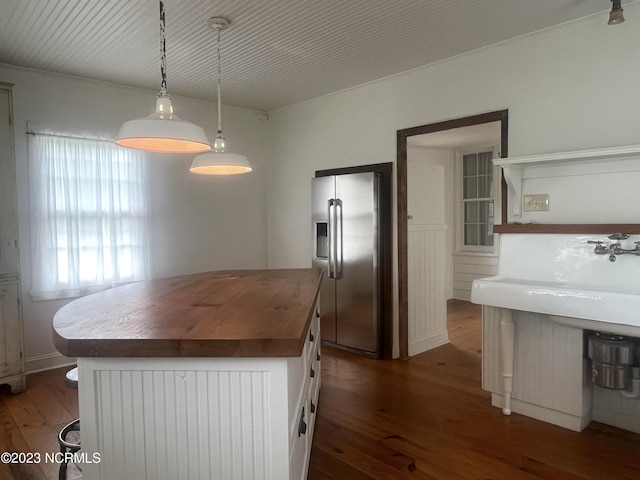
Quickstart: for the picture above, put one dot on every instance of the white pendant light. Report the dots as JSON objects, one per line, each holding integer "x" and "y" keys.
{"x": 162, "y": 131}
{"x": 219, "y": 161}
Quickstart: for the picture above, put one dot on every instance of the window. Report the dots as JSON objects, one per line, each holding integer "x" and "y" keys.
{"x": 89, "y": 216}
{"x": 477, "y": 199}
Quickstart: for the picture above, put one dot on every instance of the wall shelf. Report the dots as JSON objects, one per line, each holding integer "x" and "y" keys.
{"x": 516, "y": 169}
{"x": 569, "y": 157}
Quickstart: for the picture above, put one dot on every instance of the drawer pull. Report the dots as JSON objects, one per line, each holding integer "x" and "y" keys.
{"x": 318, "y": 355}
{"x": 313, "y": 407}
{"x": 317, "y": 313}
{"x": 312, "y": 373}
{"x": 302, "y": 426}
{"x": 311, "y": 337}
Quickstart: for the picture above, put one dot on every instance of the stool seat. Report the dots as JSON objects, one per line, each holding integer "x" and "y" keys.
{"x": 67, "y": 446}
{"x": 71, "y": 378}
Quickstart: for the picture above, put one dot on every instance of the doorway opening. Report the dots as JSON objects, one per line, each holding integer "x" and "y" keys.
{"x": 403, "y": 137}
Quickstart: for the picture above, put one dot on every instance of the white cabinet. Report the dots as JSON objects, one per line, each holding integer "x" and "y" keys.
{"x": 305, "y": 385}
{"x": 200, "y": 418}
{"x": 11, "y": 358}
{"x": 11, "y": 337}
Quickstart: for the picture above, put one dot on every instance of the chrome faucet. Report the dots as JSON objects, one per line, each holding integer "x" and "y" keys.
{"x": 618, "y": 250}
{"x": 600, "y": 249}
{"x": 614, "y": 248}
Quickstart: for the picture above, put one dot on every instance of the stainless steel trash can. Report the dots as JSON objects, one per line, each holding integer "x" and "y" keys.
{"x": 611, "y": 357}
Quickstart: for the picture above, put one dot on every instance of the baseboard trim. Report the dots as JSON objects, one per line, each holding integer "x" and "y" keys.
{"x": 627, "y": 422}
{"x": 565, "y": 420}
{"x": 428, "y": 343}
{"x": 50, "y": 361}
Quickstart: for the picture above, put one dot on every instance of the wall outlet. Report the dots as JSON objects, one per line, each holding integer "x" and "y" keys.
{"x": 536, "y": 202}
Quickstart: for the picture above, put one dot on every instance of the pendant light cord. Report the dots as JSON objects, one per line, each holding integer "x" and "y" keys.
{"x": 163, "y": 53}
{"x": 219, "y": 81}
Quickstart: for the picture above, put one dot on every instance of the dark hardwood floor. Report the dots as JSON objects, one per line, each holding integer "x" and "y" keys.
{"x": 30, "y": 422}
{"x": 427, "y": 418}
{"x": 423, "y": 418}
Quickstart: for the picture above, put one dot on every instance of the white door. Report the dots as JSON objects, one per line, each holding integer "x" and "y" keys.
{"x": 426, "y": 193}
{"x": 427, "y": 252}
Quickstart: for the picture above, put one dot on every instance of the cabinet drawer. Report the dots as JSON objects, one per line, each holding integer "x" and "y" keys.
{"x": 303, "y": 421}
{"x": 313, "y": 338}
{"x": 300, "y": 447}
{"x": 314, "y": 395}
{"x": 303, "y": 371}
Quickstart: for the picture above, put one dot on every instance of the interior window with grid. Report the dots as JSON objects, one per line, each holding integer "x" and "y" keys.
{"x": 89, "y": 216}
{"x": 477, "y": 198}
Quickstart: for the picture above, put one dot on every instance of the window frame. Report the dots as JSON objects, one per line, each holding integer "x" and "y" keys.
{"x": 41, "y": 211}
{"x": 458, "y": 176}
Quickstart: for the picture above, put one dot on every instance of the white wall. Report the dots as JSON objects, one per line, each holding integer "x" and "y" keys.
{"x": 197, "y": 223}
{"x": 567, "y": 88}
{"x": 600, "y": 191}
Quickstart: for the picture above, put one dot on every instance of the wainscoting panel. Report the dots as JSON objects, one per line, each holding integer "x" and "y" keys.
{"x": 549, "y": 364}
{"x": 168, "y": 419}
{"x": 612, "y": 408}
{"x": 467, "y": 267}
{"x": 186, "y": 418}
{"x": 550, "y": 376}
{"x": 491, "y": 379}
{"x": 427, "y": 289}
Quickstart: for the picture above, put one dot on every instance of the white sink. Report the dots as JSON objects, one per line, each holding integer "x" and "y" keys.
{"x": 566, "y": 300}
{"x": 559, "y": 275}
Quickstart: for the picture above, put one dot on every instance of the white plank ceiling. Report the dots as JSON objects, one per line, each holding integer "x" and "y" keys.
{"x": 276, "y": 52}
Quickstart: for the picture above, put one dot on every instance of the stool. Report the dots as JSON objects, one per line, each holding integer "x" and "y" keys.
{"x": 71, "y": 379}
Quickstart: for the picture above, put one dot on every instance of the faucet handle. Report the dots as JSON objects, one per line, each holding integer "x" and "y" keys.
{"x": 618, "y": 236}
{"x": 600, "y": 249}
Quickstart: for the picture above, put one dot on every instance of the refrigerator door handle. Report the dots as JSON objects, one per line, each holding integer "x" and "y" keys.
{"x": 331, "y": 238}
{"x": 338, "y": 239}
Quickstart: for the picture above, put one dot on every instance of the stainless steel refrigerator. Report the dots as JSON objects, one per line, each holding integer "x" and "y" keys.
{"x": 346, "y": 232}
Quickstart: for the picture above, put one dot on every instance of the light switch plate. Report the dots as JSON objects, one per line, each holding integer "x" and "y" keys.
{"x": 536, "y": 202}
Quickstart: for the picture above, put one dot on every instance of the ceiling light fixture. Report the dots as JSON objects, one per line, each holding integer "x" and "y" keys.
{"x": 162, "y": 131}
{"x": 615, "y": 17}
{"x": 219, "y": 161}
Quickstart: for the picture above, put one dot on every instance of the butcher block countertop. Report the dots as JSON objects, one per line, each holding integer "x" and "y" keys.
{"x": 233, "y": 313}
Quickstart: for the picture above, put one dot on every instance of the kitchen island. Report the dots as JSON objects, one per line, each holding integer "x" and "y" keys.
{"x": 206, "y": 376}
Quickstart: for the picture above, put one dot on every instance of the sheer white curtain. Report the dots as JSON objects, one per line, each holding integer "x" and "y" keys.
{"x": 89, "y": 215}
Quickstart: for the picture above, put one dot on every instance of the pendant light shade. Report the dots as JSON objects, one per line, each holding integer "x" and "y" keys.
{"x": 222, "y": 163}
{"x": 162, "y": 131}
{"x": 219, "y": 161}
